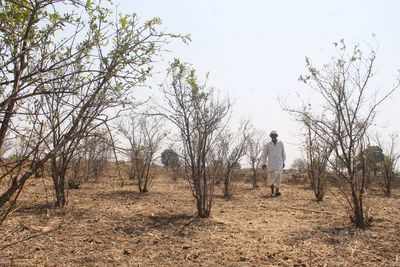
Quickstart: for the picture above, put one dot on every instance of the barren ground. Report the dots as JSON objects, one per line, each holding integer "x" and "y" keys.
{"x": 105, "y": 224}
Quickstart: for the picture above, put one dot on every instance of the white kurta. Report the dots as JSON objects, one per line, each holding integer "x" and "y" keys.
{"x": 274, "y": 155}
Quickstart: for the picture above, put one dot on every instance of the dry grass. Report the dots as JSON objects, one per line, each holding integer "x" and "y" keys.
{"x": 108, "y": 225}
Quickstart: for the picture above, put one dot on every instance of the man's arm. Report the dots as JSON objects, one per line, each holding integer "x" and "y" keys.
{"x": 283, "y": 155}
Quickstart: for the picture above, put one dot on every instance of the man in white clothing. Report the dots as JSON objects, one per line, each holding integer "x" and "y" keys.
{"x": 274, "y": 155}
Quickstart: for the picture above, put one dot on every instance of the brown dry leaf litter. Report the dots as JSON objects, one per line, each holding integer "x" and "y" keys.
{"x": 106, "y": 225}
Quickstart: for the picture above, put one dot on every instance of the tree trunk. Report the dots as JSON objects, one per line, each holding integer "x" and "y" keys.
{"x": 387, "y": 181}
{"x": 144, "y": 188}
{"x": 6, "y": 196}
{"x": 319, "y": 187}
{"x": 58, "y": 175}
{"x": 59, "y": 189}
{"x": 388, "y": 189}
{"x": 358, "y": 212}
{"x": 254, "y": 178}
{"x": 203, "y": 196}
{"x": 140, "y": 185}
{"x": 202, "y": 210}
{"x": 227, "y": 182}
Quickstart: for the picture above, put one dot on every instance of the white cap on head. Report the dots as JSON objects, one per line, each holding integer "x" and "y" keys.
{"x": 273, "y": 133}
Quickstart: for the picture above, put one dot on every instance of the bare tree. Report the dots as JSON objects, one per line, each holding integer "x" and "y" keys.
{"x": 230, "y": 149}
{"x": 144, "y": 134}
{"x": 318, "y": 154}
{"x": 47, "y": 52}
{"x": 92, "y": 155}
{"x": 389, "y": 164}
{"x": 299, "y": 165}
{"x": 59, "y": 112}
{"x": 344, "y": 119}
{"x": 198, "y": 116}
{"x": 255, "y": 146}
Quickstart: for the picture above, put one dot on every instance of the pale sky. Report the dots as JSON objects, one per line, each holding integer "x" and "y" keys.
{"x": 254, "y": 50}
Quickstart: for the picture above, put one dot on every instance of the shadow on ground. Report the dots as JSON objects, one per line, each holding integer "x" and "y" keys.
{"x": 35, "y": 209}
{"x": 123, "y": 195}
{"x": 330, "y": 235}
{"x": 180, "y": 224}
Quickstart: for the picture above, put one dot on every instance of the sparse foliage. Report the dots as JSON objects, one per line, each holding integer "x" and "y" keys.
{"x": 348, "y": 110}
{"x": 198, "y": 116}
{"x": 229, "y": 150}
{"x": 318, "y": 154}
{"x": 389, "y": 164}
{"x": 60, "y": 74}
{"x": 144, "y": 134}
{"x": 255, "y": 146}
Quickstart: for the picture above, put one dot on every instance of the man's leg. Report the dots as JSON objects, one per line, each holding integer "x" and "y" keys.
{"x": 270, "y": 178}
{"x": 277, "y": 192}
{"x": 278, "y": 182}
{"x": 273, "y": 183}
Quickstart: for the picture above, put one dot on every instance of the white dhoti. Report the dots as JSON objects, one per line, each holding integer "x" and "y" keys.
{"x": 275, "y": 177}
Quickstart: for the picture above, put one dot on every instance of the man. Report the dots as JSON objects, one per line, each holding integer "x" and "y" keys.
{"x": 274, "y": 155}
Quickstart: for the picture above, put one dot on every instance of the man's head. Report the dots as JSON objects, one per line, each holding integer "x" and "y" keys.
{"x": 274, "y": 136}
